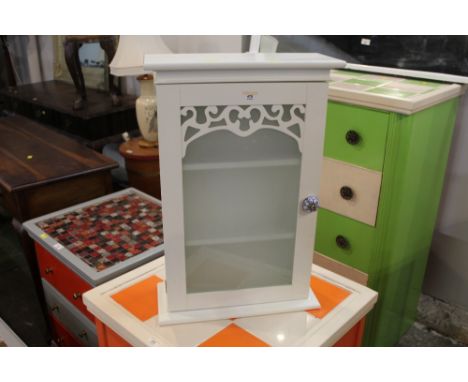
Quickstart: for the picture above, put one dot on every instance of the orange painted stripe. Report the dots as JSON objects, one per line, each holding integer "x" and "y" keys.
{"x": 140, "y": 299}
{"x": 329, "y": 296}
{"x": 233, "y": 336}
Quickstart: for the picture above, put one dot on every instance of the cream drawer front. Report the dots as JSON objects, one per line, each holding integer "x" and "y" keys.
{"x": 350, "y": 190}
{"x": 75, "y": 321}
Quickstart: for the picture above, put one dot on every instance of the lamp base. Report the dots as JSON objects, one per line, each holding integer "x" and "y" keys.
{"x": 145, "y": 108}
{"x": 147, "y": 144}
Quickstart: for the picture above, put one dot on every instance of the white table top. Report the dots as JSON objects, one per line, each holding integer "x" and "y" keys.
{"x": 287, "y": 329}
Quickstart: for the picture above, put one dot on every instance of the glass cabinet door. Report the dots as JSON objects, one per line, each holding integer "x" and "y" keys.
{"x": 240, "y": 197}
{"x": 240, "y": 209}
{"x": 238, "y": 173}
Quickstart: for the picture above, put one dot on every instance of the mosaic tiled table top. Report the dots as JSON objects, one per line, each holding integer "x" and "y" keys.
{"x": 109, "y": 232}
{"x": 396, "y": 91}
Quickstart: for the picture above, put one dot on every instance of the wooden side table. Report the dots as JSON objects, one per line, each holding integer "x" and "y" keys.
{"x": 126, "y": 312}
{"x": 142, "y": 166}
{"x": 42, "y": 171}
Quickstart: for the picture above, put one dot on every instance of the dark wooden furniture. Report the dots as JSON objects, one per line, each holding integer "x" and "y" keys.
{"x": 142, "y": 165}
{"x": 72, "y": 45}
{"x": 42, "y": 171}
{"x": 6, "y": 63}
{"x": 50, "y": 103}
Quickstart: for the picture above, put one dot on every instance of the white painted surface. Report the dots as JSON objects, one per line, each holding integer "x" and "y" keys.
{"x": 236, "y": 61}
{"x": 171, "y": 137}
{"x": 202, "y": 315}
{"x": 450, "y": 78}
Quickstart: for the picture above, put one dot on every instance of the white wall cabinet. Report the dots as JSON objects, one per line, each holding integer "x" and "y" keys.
{"x": 241, "y": 142}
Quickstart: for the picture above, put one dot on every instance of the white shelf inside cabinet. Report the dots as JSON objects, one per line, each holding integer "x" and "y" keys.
{"x": 241, "y": 239}
{"x": 241, "y": 164}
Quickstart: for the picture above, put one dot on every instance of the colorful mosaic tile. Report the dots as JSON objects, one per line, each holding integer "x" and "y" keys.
{"x": 109, "y": 232}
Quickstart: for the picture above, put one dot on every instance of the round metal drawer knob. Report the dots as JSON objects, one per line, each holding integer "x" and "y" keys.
{"x": 352, "y": 137}
{"x": 48, "y": 271}
{"x": 346, "y": 192}
{"x": 310, "y": 203}
{"x": 342, "y": 242}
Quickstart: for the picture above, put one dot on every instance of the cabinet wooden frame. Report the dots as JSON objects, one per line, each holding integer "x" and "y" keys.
{"x": 171, "y": 99}
{"x": 271, "y": 96}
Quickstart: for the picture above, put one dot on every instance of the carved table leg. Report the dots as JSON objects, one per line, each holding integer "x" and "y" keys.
{"x": 74, "y": 67}
{"x": 108, "y": 45}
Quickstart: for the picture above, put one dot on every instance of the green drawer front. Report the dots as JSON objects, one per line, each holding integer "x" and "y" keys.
{"x": 371, "y": 128}
{"x": 359, "y": 236}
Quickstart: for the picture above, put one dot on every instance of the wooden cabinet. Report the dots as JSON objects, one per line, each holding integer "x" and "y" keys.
{"x": 241, "y": 140}
{"x": 83, "y": 246}
{"x": 386, "y": 146}
{"x": 51, "y": 103}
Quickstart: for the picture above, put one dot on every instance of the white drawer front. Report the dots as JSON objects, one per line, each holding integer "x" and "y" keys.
{"x": 75, "y": 322}
{"x": 350, "y": 190}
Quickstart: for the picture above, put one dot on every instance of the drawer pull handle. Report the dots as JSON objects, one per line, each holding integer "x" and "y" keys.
{"x": 352, "y": 137}
{"x": 49, "y": 271}
{"x": 83, "y": 334}
{"x": 55, "y": 308}
{"x": 76, "y": 295}
{"x": 310, "y": 203}
{"x": 342, "y": 242}
{"x": 346, "y": 192}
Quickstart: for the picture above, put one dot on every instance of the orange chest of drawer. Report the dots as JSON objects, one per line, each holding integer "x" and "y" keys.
{"x": 67, "y": 282}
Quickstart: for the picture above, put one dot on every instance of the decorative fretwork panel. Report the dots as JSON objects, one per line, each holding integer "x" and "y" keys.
{"x": 242, "y": 120}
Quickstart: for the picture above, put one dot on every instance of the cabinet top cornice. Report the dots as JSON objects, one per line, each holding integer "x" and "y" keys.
{"x": 241, "y": 67}
{"x": 221, "y": 61}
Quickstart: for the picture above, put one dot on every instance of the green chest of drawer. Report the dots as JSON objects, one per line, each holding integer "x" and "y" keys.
{"x": 390, "y": 240}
